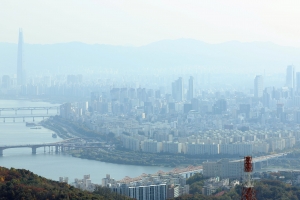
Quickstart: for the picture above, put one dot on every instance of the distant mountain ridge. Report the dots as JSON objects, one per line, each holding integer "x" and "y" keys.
{"x": 224, "y": 57}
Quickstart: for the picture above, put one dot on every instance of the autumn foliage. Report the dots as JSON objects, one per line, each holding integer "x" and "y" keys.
{"x": 23, "y": 184}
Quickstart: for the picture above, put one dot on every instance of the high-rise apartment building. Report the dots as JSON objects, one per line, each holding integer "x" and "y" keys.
{"x": 290, "y": 76}
{"x": 258, "y": 86}
{"x": 190, "y": 94}
{"x": 20, "y": 74}
{"x": 177, "y": 89}
{"x": 223, "y": 168}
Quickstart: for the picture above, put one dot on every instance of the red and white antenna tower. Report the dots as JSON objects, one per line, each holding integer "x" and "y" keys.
{"x": 248, "y": 192}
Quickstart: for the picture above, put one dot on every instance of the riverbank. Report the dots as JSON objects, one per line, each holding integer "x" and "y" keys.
{"x": 67, "y": 130}
{"x": 52, "y": 165}
{"x": 137, "y": 158}
{"x": 116, "y": 153}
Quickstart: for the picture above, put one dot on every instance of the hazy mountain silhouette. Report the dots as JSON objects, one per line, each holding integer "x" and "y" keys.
{"x": 224, "y": 57}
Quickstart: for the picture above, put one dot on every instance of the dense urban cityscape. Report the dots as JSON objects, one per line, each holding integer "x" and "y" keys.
{"x": 178, "y": 101}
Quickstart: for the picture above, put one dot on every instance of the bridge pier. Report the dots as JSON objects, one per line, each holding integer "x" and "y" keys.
{"x": 14, "y": 119}
{"x": 16, "y": 112}
{"x": 33, "y": 150}
{"x": 47, "y": 111}
{"x": 56, "y": 149}
{"x": 4, "y": 119}
{"x": 31, "y": 111}
{"x": 23, "y": 119}
{"x": 32, "y": 118}
{"x": 44, "y": 149}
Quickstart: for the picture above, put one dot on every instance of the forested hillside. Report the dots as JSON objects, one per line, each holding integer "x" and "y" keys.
{"x": 23, "y": 184}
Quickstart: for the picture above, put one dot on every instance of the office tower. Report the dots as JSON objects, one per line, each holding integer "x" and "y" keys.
{"x": 298, "y": 81}
{"x": 20, "y": 75}
{"x": 177, "y": 89}
{"x": 258, "y": 86}
{"x": 290, "y": 76}
{"x": 190, "y": 94}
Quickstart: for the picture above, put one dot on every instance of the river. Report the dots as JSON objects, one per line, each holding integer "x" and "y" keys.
{"x": 51, "y": 165}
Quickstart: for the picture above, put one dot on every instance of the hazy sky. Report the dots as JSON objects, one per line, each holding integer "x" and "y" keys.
{"x": 139, "y": 22}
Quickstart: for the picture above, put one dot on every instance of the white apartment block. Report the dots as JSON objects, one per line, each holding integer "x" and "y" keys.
{"x": 289, "y": 142}
{"x": 261, "y": 147}
{"x": 151, "y": 146}
{"x": 84, "y": 184}
{"x": 277, "y": 144}
{"x": 195, "y": 149}
{"x": 171, "y": 147}
{"x": 130, "y": 143}
{"x": 223, "y": 169}
{"x": 242, "y": 149}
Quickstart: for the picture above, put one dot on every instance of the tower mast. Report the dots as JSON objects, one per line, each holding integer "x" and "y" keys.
{"x": 248, "y": 192}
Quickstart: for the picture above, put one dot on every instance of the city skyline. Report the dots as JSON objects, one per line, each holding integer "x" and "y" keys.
{"x": 166, "y": 96}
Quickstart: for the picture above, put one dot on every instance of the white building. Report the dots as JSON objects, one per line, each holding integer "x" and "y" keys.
{"x": 84, "y": 184}
{"x": 242, "y": 149}
{"x": 258, "y": 86}
{"x": 130, "y": 142}
{"x": 151, "y": 146}
{"x": 171, "y": 147}
{"x": 223, "y": 169}
{"x": 195, "y": 149}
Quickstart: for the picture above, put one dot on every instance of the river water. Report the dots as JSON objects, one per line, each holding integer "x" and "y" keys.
{"x": 49, "y": 164}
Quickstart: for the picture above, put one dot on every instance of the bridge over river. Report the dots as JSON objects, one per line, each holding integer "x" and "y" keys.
{"x": 6, "y": 113}
{"x": 72, "y": 143}
{"x": 259, "y": 161}
{"x": 16, "y": 109}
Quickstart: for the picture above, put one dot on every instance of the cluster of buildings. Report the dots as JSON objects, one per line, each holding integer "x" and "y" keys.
{"x": 178, "y": 118}
{"x": 159, "y": 186}
{"x": 211, "y": 185}
{"x": 166, "y": 137}
{"x": 215, "y": 142}
{"x": 202, "y": 123}
{"x": 83, "y": 184}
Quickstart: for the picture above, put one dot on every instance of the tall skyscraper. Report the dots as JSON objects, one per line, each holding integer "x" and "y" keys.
{"x": 290, "y": 76}
{"x": 258, "y": 86}
{"x": 20, "y": 75}
{"x": 177, "y": 89}
{"x": 190, "y": 93}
